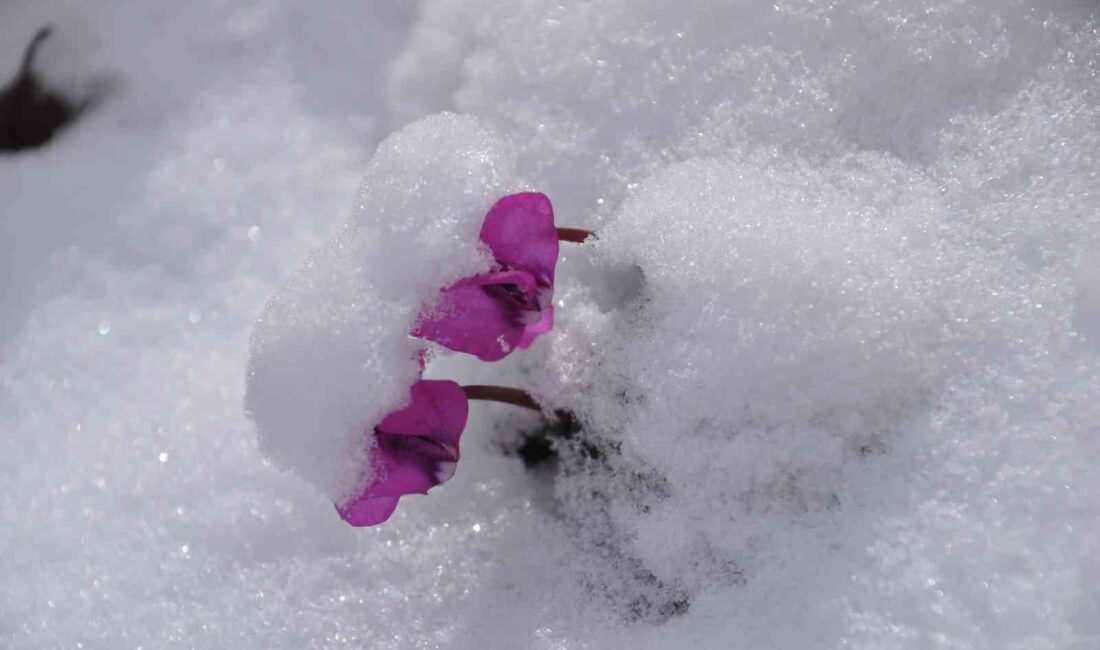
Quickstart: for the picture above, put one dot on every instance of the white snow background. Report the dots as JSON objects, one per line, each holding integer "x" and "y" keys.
{"x": 837, "y": 346}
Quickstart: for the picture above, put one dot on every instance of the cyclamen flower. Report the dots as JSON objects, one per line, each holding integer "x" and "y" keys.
{"x": 491, "y": 314}
{"x": 416, "y": 449}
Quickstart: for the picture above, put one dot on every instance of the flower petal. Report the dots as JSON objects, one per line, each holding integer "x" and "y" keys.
{"x": 484, "y": 315}
{"x": 368, "y": 511}
{"x": 437, "y": 410}
{"x": 411, "y": 465}
{"x": 520, "y": 231}
{"x": 533, "y": 330}
{"x": 417, "y": 449}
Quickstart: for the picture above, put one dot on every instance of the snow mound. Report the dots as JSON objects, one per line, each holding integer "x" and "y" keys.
{"x": 331, "y": 352}
{"x": 805, "y": 315}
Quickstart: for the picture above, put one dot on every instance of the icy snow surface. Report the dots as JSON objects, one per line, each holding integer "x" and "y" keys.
{"x": 835, "y": 354}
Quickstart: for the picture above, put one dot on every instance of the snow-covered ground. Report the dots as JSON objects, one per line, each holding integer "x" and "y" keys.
{"x": 836, "y": 352}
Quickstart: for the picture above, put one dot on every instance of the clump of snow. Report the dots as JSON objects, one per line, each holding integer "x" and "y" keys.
{"x": 331, "y": 354}
{"x": 806, "y": 314}
{"x": 834, "y": 355}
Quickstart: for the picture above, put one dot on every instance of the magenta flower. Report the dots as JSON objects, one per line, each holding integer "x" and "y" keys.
{"x": 416, "y": 449}
{"x": 491, "y": 314}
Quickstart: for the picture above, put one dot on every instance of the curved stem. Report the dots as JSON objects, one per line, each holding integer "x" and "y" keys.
{"x": 513, "y": 396}
{"x": 32, "y": 49}
{"x": 575, "y": 235}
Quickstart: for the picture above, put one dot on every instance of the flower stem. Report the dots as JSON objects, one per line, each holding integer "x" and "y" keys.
{"x": 513, "y": 396}
{"x": 575, "y": 235}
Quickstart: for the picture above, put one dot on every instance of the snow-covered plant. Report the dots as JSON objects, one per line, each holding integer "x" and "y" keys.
{"x": 414, "y": 445}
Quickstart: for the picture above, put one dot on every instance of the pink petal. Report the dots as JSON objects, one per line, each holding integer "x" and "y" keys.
{"x": 520, "y": 231}
{"x": 410, "y": 465}
{"x": 437, "y": 410}
{"x": 367, "y": 511}
{"x": 532, "y": 331}
{"x": 417, "y": 449}
{"x": 485, "y": 315}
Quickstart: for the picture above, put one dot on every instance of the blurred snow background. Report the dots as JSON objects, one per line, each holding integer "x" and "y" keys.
{"x": 836, "y": 353}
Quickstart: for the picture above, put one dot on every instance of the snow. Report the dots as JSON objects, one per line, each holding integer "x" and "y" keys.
{"x": 834, "y": 353}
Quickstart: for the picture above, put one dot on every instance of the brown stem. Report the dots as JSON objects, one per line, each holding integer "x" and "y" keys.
{"x": 575, "y": 235}
{"x": 513, "y": 396}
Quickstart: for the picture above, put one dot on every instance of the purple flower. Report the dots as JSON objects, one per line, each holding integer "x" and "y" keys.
{"x": 416, "y": 449}
{"x": 491, "y": 314}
